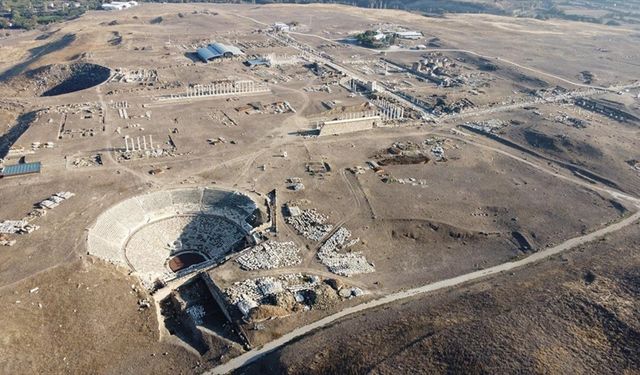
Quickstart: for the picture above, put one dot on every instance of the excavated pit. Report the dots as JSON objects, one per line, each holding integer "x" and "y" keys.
{"x": 59, "y": 79}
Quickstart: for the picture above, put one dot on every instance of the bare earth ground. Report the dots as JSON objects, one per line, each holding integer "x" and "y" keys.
{"x": 574, "y": 313}
{"x": 68, "y": 325}
{"x": 85, "y": 318}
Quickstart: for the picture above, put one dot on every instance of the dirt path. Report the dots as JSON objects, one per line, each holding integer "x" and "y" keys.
{"x": 456, "y": 50}
{"x": 504, "y": 61}
{"x": 468, "y": 138}
{"x": 255, "y": 354}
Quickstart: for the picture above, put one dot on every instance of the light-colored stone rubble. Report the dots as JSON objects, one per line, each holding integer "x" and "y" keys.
{"x": 270, "y": 255}
{"x": 311, "y": 224}
{"x": 344, "y": 264}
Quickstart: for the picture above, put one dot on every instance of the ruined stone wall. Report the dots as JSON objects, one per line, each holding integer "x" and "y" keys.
{"x": 348, "y": 126}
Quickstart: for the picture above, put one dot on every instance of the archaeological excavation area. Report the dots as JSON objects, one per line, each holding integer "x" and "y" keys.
{"x": 202, "y": 188}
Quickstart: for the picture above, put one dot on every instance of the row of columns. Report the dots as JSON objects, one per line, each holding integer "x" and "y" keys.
{"x": 354, "y": 85}
{"x": 136, "y": 145}
{"x": 390, "y": 111}
{"x": 355, "y": 115}
{"x": 239, "y": 87}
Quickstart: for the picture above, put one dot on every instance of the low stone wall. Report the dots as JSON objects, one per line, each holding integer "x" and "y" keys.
{"x": 348, "y": 126}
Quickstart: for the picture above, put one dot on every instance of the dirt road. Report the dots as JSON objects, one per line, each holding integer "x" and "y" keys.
{"x": 255, "y": 354}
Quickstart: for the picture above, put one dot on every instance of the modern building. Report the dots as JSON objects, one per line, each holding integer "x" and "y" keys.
{"x": 218, "y": 50}
{"x": 20, "y": 169}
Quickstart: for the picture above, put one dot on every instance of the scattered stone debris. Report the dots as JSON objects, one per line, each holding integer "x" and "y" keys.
{"x": 146, "y": 76}
{"x": 408, "y": 181}
{"x": 404, "y": 153}
{"x": 89, "y": 161}
{"x": 296, "y": 187}
{"x": 36, "y": 213}
{"x": 215, "y": 141}
{"x": 401, "y": 153}
{"x": 612, "y": 110}
{"x": 270, "y": 255}
{"x": 344, "y": 264}
{"x": 564, "y": 118}
{"x": 489, "y": 126}
{"x": 358, "y": 169}
{"x": 25, "y": 226}
{"x": 12, "y": 226}
{"x": 437, "y": 149}
{"x": 197, "y": 313}
{"x": 146, "y": 154}
{"x": 55, "y": 200}
{"x": 253, "y": 108}
{"x": 318, "y": 168}
{"x": 635, "y": 164}
{"x": 310, "y": 224}
{"x": 586, "y": 77}
{"x": 271, "y": 297}
{"x": 6, "y": 241}
{"x": 295, "y": 184}
{"x": 38, "y": 145}
{"x": 143, "y": 304}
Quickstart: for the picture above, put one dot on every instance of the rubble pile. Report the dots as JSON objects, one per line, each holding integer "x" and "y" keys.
{"x": 141, "y": 154}
{"x": 268, "y": 297}
{"x": 38, "y": 145}
{"x": 15, "y": 227}
{"x": 89, "y": 161}
{"x": 270, "y": 255}
{"x": 437, "y": 149}
{"x": 405, "y": 153}
{"x": 489, "y": 126}
{"x": 12, "y": 226}
{"x": 6, "y": 241}
{"x": 24, "y": 226}
{"x": 55, "y": 200}
{"x": 344, "y": 264}
{"x": 197, "y": 313}
{"x": 443, "y": 106}
{"x": 310, "y": 224}
{"x": 294, "y": 183}
{"x": 406, "y": 181}
{"x": 402, "y": 153}
{"x": 635, "y": 164}
{"x": 134, "y": 76}
{"x": 564, "y": 118}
